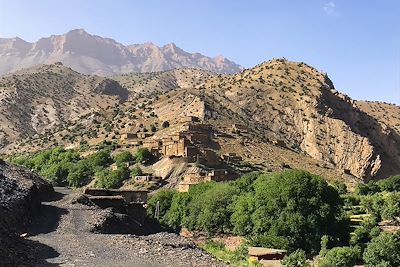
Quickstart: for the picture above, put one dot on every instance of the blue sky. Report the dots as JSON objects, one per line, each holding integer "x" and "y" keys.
{"x": 357, "y": 42}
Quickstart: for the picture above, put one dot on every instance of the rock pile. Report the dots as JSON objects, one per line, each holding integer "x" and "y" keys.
{"x": 21, "y": 193}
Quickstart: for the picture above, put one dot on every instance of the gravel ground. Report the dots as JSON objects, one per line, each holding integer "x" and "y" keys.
{"x": 66, "y": 229}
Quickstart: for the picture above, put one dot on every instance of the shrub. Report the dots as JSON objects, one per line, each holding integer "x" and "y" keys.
{"x": 136, "y": 171}
{"x": 390, "y": 184}
{"x": 340, "y": 257}
{"x": 165, "y": 124}
{"x": 296, "y": 259}
{"x": 383, "y": 251}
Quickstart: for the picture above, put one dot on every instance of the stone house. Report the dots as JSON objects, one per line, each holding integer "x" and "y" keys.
{"x": 152, "y": 144}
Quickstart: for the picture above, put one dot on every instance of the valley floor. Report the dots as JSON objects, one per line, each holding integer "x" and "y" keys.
{"x": 63, "y": 229}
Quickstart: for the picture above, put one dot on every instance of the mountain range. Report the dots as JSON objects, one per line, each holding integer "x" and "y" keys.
{"x": 91, "y": 54}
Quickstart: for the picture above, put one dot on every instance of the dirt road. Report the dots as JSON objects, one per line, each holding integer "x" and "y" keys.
{"x": 63, "y": 227}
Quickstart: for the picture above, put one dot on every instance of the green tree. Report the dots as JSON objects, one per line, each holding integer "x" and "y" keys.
{"x": 340, "y": 257}
{"x": 391, "y": 208}
{"x": 242, "y": 209}
{"x": 164, "y": 198}
{"x": 294, "y": 209}
{"x": 122, "y": 157}
{"x": 100, "y": 159}
{"x": 340, "y": 187}
{"x": 213, "y": 209}
{"x": 177, "y": 211}
{"x": 364, "y": 233}
{"x": 143, "y": 155}
{"x": 107, "y": 178}
{"x": 383, "y": 250}
{"x": 80, "y": 174}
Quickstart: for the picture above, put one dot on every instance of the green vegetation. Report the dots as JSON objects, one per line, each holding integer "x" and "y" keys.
{"x": 237, "y": 257}
{"x": 290, "y": 210}
{"x": 66, "y": 167}
{"x": 107, "y": 178}
{"x": 296, "y": 259}
{"x": 143, "y": 155}
{"x": 340, "y": 257}
{"x": 383, "y": 250}
{"x": 136, "y": 170}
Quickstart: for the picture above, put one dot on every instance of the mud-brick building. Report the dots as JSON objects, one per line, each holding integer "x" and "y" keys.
{"x": 197, "y": 176}
{"x": 152, "y": 144}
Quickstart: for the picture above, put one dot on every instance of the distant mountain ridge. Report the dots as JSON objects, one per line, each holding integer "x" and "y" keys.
{"x": 92, "y": 54}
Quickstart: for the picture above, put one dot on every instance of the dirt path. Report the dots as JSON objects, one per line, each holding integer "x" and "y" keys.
{"x": 63, "y": 227}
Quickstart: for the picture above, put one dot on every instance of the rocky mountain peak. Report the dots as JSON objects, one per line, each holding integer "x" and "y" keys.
{"x": 92, "y": 54}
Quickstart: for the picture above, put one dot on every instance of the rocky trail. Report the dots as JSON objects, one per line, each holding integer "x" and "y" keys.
{"x": 64, "y": 231}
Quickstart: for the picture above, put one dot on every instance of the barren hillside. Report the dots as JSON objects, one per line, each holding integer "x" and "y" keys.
{"x": 289, "y": 114}
{"x": 35, "y": 101}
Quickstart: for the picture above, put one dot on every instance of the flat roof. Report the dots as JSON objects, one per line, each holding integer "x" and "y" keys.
{"x": 260, "y": 251}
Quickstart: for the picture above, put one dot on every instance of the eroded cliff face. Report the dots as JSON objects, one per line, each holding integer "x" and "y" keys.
{"x": 297, "y": 105}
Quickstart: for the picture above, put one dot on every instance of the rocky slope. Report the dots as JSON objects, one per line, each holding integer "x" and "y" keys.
{"x": 294, "y": 103}
{"x": 292, "y": 114}
{"x": 37, "y": 100}
{"x": 21, "y": 193}
{"x": 91, "y": 54}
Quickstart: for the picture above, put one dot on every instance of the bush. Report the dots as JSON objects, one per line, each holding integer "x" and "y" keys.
{"x": 383, "y": 250}
{"x": 340, "y": 257}
{"x": 390, "y": 184}
{"x": 136, "y": 171}
{"x": 340, "y": 187}
{"x": 165, "y": 124}
{"x": 296, "y": 259}
{"x": 367, "y": 189}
